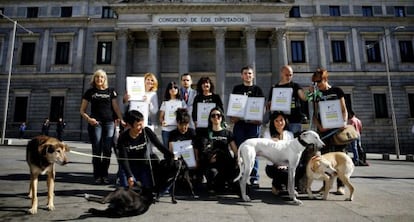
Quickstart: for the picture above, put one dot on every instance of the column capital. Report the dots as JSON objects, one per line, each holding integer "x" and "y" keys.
{"x": 250, "y": 32}
{"x": 219, "y": 32}
{"x": 280, "y": 33}
{"x": 122, "y": 33}
{"x": 183, "y": 32}
{"x": 153, "y": 32}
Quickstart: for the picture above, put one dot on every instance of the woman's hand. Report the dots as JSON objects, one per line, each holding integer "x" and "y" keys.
{"x": 131, "y": 182}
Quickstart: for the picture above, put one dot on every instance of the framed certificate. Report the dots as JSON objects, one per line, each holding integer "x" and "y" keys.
{"x": 281, "y": 99}
{"x": 331, "y": 114}
{"x": 142, "y": 107}
{"x": 135, "y": 87}
{"x": 254, "y": 108}
{"x": 185, "y": 149}
{"x": 236, "y": 106}
{"x": 203, "y": 112}
{"x": 170, "y": 109}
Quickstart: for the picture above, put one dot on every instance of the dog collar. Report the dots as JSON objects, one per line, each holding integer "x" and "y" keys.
{"x": 302, "y": 142}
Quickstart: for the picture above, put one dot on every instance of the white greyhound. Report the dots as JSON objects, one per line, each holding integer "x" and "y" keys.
{"x": 281, "y": 152}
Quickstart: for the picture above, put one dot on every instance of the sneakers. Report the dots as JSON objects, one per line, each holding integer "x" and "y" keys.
{"x": 340, "y": 191}
{"x": 102, "y": 181}
{"x": 105, "y": 180}
{"x": 254, "y": 183}
{"x": 98, "y": 181}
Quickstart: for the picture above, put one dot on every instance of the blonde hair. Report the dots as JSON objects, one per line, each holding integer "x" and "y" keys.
{"x": 152, "y": 75}
{"x": 99, "y": 72}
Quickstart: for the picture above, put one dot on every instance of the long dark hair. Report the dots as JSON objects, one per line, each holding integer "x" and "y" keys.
{"x": 272, "y": 129}
{"x": 210, "y": 123}
{"x": 200, "y": 83}
{"x": 171, "y": 85}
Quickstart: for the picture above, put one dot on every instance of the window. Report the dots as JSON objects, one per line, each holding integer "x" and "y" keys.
{"x": 32, "y": 12}
{"x": 294, "y": 12}
{"x": 406, "y": 51}
{"x": 56, "y": 108}
{"x": 367, "y": 11}
{"x": 399, "y": 11}
{"x": 66, "y": 12}
{"x": 298, "y": 51}
{"x": 380, "y": 102}
{"x": 28, "y": 53}
{"x": 20, "y": 109}
{"x": 373, "y": 51}
{"x": 62, "y": 53}
{"x": 334, "y": 11}
{"x": 104, "y": 53}
{"x": 338, "y": 51}
{"x": 411, "y": 104}
{"x": 107, "y": 12}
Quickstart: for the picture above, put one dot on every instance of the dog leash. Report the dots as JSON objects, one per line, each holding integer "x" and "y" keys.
{"x": 104, "y": 157}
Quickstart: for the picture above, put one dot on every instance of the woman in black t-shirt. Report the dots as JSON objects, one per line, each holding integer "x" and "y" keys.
{"x": 100, "y": 123}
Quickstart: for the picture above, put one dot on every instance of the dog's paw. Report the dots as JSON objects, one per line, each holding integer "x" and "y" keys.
{"x": 51, "y": 207}
{"x": 297, "y": 202}
{"x": 32, "y": 211}
{"x": 86, "y": 196}
{"x": 348, "y": 199}
{"x": 246, "y": 198}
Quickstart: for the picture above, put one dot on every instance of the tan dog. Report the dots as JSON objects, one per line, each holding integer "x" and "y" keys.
{"x": 42, "y": 152}
{"x": 327, "y": 167}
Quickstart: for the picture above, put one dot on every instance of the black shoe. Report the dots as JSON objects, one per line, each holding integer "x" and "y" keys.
{"x": 105, "y": 181}
{"x": 98, "y": 181}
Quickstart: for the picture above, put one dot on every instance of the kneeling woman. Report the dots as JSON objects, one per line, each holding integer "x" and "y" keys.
{"x": 221, "y": 166}
{"x": 278, "y": 126}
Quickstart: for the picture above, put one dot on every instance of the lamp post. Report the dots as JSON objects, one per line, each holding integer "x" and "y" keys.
{"x": 387, "y": 68}
{"x": 6, "y": 101}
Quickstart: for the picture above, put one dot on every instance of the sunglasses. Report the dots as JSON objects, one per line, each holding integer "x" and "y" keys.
{"x": 216, "y": 115}
{"x": 174, "y": 87}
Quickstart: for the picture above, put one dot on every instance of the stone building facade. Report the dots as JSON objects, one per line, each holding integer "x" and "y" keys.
{"x": 69, "y": 40}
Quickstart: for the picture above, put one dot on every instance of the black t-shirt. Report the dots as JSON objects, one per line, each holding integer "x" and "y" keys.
{"x": 332, "y": 93}
{"x": 175, "y": 135}
{"x": 295, "y": 115}
{"x": 136, "y": 148}
{"x": 101, "y": 103}
{"x": 213, "y": 98}
{"x": 250, "y": 91}
{"x": 220, "y": 142}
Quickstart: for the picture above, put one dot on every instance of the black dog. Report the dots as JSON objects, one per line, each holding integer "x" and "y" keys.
{"x": 166, "y": 174}
{"x": 123, "y": 202}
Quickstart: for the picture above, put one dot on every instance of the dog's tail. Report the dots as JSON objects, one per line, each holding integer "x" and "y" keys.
{"x": 240, "y": 163}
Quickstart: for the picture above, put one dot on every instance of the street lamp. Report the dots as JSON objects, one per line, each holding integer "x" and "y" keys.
{"x": 387, "y": 68}
{"x": 6, "y": 103}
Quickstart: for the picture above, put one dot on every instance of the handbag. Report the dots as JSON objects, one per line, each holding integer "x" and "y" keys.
{"x": 345, "y": 135}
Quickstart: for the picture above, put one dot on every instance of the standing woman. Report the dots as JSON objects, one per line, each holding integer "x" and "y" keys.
{"x": 205, "y": 94}
{"x": 171, "y": 94}
{"x": 150, "y": 97}
{"x": 100, "y": 122}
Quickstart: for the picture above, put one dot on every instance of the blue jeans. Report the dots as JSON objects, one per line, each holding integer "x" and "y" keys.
{"x": 142, "y": 173}
{"x": 165, "y": 137}
{"x": 101, "y": 138}
{"x": 354, "y": 147}
{"x": 295, "y": 128}
{"x": 243, "y": 131}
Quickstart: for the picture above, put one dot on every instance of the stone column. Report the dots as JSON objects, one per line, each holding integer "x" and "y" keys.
{"x": 275, "y": 58}
{"x": 122, "y": 45}
{"x": 45, "y": 48}
{"x": 153, "y": 36}
{"x": 250, "y": 34}
{"x": 322, "y": 53}
{"x": 78, "y": 61}
{"x": 220, "y": 33}
{"x": 357, "y": 58}
{"x": 183, "y": 33}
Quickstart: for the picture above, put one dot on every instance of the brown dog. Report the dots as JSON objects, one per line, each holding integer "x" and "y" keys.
{"x": 327, "y": 167}
{"x": 42, "y": 152}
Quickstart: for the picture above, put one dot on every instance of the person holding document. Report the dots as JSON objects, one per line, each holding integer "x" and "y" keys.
{"x": 246, "y": 129}
{"x": 294, "y": 114}
{"x": 172, "y": 101}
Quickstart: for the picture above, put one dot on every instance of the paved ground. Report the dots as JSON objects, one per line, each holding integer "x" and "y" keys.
{"x": 384, "y": 192}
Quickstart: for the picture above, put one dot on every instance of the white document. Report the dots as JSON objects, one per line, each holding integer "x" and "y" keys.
{"x": 142, "y": 107}
{"x": 203, "y": 112}
{"x": 185, "y": 149}
{"x": 170, "y": 109}
{"x": 331, "y": 114}
{"x": 237, "y": 104}
{"x": 135, "y": 87}
{"x": 254, "y": 108}
{"x": 281, "y": 100}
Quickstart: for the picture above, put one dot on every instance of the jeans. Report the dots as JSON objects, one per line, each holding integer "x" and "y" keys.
{"x": 354, "y": 147}
{"x": 142, "y": 173}
{"x": 295, "y": 128}
{"x": 165, "y": 137}
{"x": 101, "y": 138}
{"x": 243, "y": 131}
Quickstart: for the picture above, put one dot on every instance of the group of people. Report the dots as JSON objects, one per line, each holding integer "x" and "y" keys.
{"x": 215, "y": 145}
{"x": 60, "y": 126}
